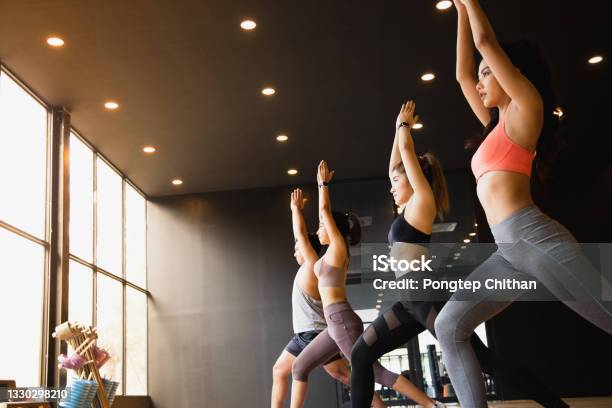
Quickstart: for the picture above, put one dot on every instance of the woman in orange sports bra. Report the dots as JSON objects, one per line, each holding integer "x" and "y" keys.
{"x": 338, "y": 230}
{"x": 511, "y": 97}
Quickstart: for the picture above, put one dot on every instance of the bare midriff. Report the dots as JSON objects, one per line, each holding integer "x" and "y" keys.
{"x": 502, "y": 193}
{"x": 332, "y": 294}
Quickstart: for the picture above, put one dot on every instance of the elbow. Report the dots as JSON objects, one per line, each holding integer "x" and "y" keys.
{"x": 482, "y": 41}
{"x": 464, "y": 75}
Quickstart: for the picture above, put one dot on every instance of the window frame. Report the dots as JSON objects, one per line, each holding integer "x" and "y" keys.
{"x": 94, "y": 265}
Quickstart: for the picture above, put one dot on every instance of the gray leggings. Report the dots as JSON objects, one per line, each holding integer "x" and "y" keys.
{"x": 530, "y": 245}
{"x": 343, "y": 328}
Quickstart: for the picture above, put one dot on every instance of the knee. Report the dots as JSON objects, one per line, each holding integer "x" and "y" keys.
{"x": 447, "y": 328}
{"x": 299, "y": 371}
{"x": 280, "y": 371}
{"x": 340, "y": 373}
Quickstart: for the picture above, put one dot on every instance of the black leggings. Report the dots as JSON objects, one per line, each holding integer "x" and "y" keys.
{"x": 405, "y": 320}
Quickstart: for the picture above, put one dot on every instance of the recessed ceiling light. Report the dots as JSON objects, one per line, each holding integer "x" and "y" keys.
{"x": 111, "y": 105}
{"x": 449, "y": 265}
{"x": 596, "y": 59}
{"x": 457, "y": 254}
{"x": 472, "y": 234}
{"x": 417, "y": 126}
{"x": 55, "y": 41}
{"x": 558, "y": 112}
{"x": 268, "y": 91}
{"x": 466, "y": 240}
{"x": 444, "y": 4}
{"x": 427, "y": 76}
{"x": 379, "y": 301}
{"x": 177, "y": 182}
{"x": 463, "y": 247}
{"x": 248, "y": 25}
{"x": 292, "y": 172}
{"x": 381, "y": 294}
{"x": 282, "y": 138}
{"x": 149, "y": 149}
{"x": 378, "y": 306}
{"x": 475, "y": 224}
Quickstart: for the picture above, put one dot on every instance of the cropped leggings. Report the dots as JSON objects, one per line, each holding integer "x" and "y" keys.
{"x": 343, "y": 328}
{"x": 530, "y": 245}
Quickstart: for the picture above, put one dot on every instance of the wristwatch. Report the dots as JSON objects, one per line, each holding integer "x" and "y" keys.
{"x": 406, "y": 124}
{"x": 324, "y": 184}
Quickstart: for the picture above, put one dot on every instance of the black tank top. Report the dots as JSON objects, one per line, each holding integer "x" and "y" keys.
{"x": 402, "y": 231}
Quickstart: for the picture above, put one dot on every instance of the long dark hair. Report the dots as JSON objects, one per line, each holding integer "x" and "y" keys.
{"x": 432, "y": 170}
{"x": 527, "y": 58}
{"x": 349, "y": 226}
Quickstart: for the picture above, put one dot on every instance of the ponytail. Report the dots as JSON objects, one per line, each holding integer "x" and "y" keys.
{"x": 432, "y": 169}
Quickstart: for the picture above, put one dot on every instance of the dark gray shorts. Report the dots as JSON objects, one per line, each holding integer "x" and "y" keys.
{"x": 299, "y": 342}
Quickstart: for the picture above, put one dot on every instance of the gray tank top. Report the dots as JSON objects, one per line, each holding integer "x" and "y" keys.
{"x": 307, "y": 311}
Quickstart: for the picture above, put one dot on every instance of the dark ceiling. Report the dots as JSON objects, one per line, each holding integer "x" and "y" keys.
{"x": 188, "y": 80}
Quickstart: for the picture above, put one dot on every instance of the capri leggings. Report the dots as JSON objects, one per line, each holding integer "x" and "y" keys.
{"x": 343, "y": 328}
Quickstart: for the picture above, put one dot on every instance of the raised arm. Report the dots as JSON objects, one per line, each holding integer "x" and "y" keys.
{"x": 300, "y": 233}
{"x": 336, "y": 254}
{"x": 466, "y": 65}
{"x": 423, "y": 195}
{"x": 395, "y": 152}
{"x": 521, "y": 91}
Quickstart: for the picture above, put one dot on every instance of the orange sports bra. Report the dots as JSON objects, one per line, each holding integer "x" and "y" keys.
{"x": 329, "y": 275}
{"x": 499, "y": 152}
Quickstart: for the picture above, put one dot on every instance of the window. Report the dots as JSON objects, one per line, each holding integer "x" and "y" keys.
{"x": 108, "y": 250}
{"x": 23, "y": 236}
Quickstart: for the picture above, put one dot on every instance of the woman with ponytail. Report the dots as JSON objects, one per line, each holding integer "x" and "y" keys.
{"x": 338, "y": 230}
{"x": 421, "y": 195}
{"x": 510, "y": 97}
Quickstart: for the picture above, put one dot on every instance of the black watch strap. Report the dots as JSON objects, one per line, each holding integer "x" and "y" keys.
{"x": 404, "y": 124}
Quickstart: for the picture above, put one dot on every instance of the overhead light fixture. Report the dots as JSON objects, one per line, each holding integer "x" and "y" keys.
{"x": 110, "y": 105}
{"x": 467, "y": 241}
{"x": 177, "y": 182}
{"x": 282, "y": 138}
{"x": 381, "y": 294}
{"x": 268, "y": 91}
{"x": 417, "y": 126}
{"x": 449, "y": 265}
{"x": 149, "y": 149}
{"x": 248, "y": 25}
{"x": 292, "y": 172}
{"x": 463, "y": 247}
{"x": 472, "y": 234}
{"x": 55, "y": 41}
{"x": 595, "y": 59}
{"x": 457, "y": 254}
{"x": 379, "y": 301}
{"x": 444, "y": 4}
{"x": 475, "y": 224}
{"x": 558, "y": 112}
{"x": 427, "y": 77}
{"x": 378, "y": 306}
